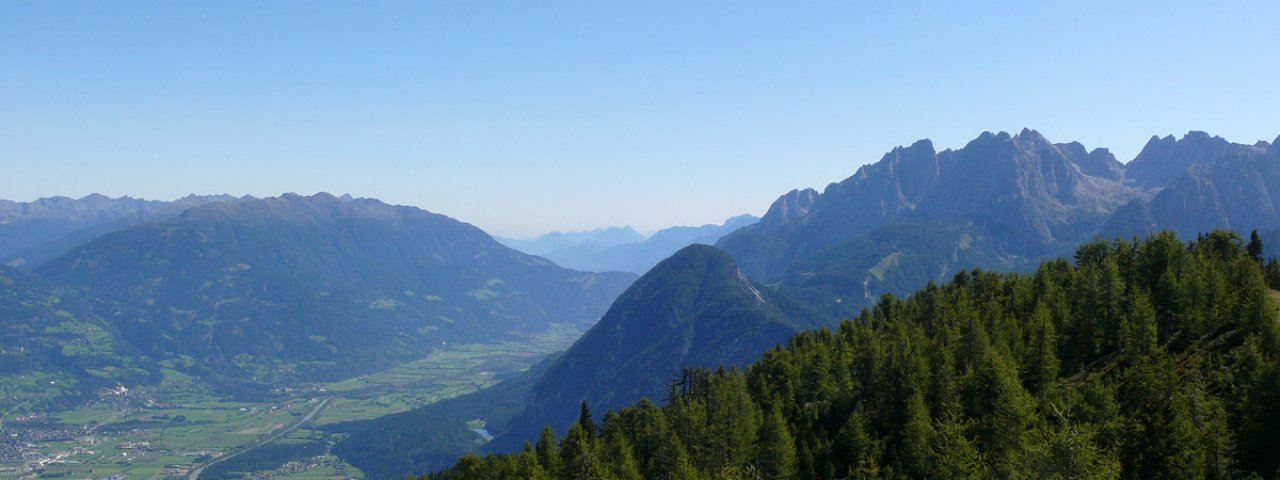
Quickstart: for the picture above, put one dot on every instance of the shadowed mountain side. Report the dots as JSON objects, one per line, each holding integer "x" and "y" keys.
{"x": 693, "y": 309}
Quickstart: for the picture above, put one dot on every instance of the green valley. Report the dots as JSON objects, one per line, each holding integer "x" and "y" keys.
{"x": 167, "y": 430}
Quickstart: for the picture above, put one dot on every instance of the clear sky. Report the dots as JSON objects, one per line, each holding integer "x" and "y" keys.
{"x": 526, "y": 117}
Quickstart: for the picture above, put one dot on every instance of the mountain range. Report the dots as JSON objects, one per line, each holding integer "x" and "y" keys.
{"x": 1002, "y": 202}
{"x": 32, "y": 233}
{"x": 622, "y": 249}
{"x": 288, "y": 289}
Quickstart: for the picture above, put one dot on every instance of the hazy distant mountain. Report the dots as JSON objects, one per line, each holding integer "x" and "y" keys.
{"x": 54, "y": 350}
{"x": 553, "y": 244}
{"x": 34, "y": 232}
{"x": 635, "y": 255}
{"x": 320, "y": 287}
{"x": 1029, "y": 196}
{"x": 693, "y": 309}
{"x": 1219, "y": 185}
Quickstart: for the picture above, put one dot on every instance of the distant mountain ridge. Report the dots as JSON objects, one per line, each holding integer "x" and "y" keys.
{"x": 555, "y": 244}
{"x": 314, "y": 288}
{"x": 34, "y": 232}
{"x": 617, "y": 249}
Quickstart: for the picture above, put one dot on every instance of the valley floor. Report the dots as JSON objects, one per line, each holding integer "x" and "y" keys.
{"x": 182, "y": 429}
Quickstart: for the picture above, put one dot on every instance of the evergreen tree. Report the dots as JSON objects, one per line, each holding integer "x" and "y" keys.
{"x": 548, "y": 452}
{"x": 954, "y": 453}
{"x": 914, "y": 452}
{"x": 620, "y": 458}
{"x": 1138, "y": 335}
{"x": 580, "y": 455}
{"x": 1255, "y": 246}
{"x": 1042, "y": 351}
{"x": 1161, "y": 440}
{"x": 585, "y": 421}
{"x": 776, "y": 450}
{"x": 1005, "y": 410}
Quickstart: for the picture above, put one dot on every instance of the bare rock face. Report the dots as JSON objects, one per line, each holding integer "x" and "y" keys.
{"x": 1221, "y": 185}
{"x": 791, "y": 207}
{"x": 1030, "y": 194}
{"x": 1163, "y": 160}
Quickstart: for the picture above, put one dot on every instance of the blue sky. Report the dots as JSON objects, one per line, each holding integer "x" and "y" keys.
{"x": 525, "y": 117}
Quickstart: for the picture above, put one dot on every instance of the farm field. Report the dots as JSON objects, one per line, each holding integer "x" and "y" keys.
{"x": 169, "y": 430}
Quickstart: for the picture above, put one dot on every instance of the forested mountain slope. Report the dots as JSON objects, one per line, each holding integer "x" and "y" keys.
{"x": 313, "y": 288}
{"x": 55, "y": 351}
{"x": 693, "y": 309}
{"x": 1155, "y": 359}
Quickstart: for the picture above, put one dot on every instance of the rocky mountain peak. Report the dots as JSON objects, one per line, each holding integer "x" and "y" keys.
{"x": 790, "y": 207}
{"x": 1162, "y": 160}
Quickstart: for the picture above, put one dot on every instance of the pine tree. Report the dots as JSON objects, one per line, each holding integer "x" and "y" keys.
{"x": 585, "y": 421}
{"x": 620, "y": 458}
{"x": 914, "y": 452}
{"x": 548, "y": 451}
{"x": 776, "y": 450}
{"x": 854, "y": 446}
{"x": 580, "y": 455}
{"x": 1138, "y": 334}
{"x": 954, "y": 453}
{"x": 1042, "y": 362}
{"x": 1161, "y": 440}
{"x": 1005, "y": 411}
{"x": 1255, "y": 246}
